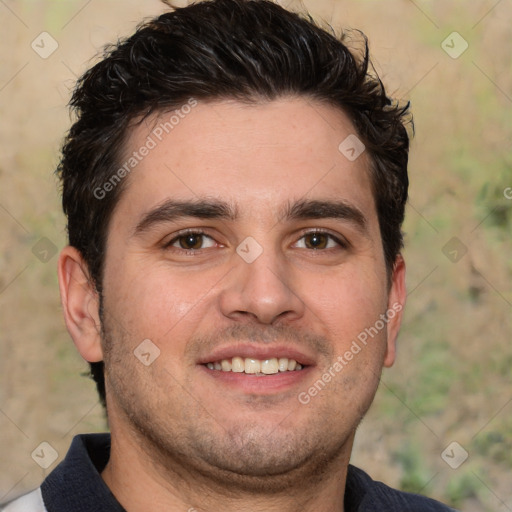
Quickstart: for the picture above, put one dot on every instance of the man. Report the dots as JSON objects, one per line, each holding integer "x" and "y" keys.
{"x": 235, "y": 186}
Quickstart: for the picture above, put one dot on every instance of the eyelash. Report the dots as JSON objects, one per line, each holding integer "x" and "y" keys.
{"x": 181, "y": 234}
{"x": 193, "y": 252}
{"x": 338, "y": 240}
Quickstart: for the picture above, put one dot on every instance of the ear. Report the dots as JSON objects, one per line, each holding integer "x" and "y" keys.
{"x": 80, "y": 303}
{"x": 396, "y": 302}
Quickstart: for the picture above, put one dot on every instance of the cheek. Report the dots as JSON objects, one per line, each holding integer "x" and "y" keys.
{"x": 348, "y": 302}
{"x": 156, "y": 302}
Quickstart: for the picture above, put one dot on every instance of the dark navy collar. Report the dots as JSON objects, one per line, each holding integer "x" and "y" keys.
{"x": 362, "y": 494}
{"x": 76, "y": 484}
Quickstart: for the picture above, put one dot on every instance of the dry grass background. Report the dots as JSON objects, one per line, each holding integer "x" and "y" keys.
{"x": 452, "y": 381}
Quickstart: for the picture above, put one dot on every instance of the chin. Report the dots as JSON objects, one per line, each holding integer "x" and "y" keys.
{"x": 267, "y": 457}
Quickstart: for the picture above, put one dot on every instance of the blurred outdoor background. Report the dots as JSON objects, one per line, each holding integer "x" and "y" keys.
{"x": 450, "y": 393}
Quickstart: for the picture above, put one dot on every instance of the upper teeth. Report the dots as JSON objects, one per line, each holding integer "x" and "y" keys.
{"x": 250, "y": 365}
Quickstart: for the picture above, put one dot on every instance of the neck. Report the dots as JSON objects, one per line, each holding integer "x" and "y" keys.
{"x": 143, "y": 480}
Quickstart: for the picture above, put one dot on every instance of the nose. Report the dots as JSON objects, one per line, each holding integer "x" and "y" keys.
{"x": 263, "y": 290}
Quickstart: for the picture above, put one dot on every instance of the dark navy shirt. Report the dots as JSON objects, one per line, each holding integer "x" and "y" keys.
{"x": 75, "y": 485}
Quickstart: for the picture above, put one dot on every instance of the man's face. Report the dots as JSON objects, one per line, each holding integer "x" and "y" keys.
{"x": 283, "y": 261}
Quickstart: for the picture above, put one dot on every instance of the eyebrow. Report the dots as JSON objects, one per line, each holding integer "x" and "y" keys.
{"x": 173, "y": 210}
{"x": 325, "y": 209}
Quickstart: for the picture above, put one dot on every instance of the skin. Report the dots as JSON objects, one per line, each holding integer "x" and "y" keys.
{"x": 182, "y": 439}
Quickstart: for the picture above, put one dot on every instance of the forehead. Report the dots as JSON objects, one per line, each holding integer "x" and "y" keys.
{"x": 258, "y": 157}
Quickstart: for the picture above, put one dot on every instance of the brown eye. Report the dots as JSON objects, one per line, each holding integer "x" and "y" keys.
{"x": 321, "y": 240}
{"x": 192, "y": 241}
{"x": 316, "y": 240}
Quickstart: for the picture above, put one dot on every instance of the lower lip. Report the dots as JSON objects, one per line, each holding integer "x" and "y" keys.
{"x": 256, "y": 384}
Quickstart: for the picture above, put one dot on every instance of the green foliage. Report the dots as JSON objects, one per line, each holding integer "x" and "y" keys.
{"x": 496, "y": 443}
{"x": 415, "y": 476}
{"x": 461, "y": 487}
{"x": 435, "y": 377}
{"x": 497, "y": 199}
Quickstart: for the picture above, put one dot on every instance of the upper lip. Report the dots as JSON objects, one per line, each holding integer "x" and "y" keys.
{"x": 257, "y": 351}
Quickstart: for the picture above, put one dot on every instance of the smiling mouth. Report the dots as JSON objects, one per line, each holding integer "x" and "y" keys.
{"x": 251, "y": 366}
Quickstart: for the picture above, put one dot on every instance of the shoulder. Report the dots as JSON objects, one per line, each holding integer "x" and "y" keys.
{"x": 378, "y": 496}
{"x": 31, "y": 502}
